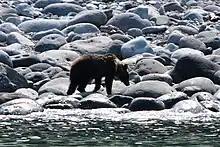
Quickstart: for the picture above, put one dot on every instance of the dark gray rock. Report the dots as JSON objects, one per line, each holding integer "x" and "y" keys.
{"x": 174, "y": 37}
{"x": 41, "y": 34}
{"x": 148, "y": 89}
{"x": 121, "y": 37}
{"x": 5, "y": 58}
{"x": 171, "y": 99}
{"x": 154, "y": 30}
{"x": 62, "y": 9}
{"x": 135, "y": 32}
{"x": 120, "y": 100}
{"x": 25, "y": 60}
{"x": 173, "y": 6}
{"x": 125, "y": 21}
{"x": 39, "y": 67}
{"x": 36, "y": 76}
{"x": 96, "y": 100}
{"x": 145, "y": 103}
{"x": 95, "y": 17}
{"x": 3, "y": 37}
{"x": 15, "y": 37}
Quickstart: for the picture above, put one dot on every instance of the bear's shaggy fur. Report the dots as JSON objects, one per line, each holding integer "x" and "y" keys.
{"x": 95, "y": 66}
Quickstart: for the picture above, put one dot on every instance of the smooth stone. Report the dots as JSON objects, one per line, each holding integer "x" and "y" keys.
{"x": 61, "y": 55}
{"x": 115, "y": 48}
{"x": 5, "y": 58}
{"x": 37, "y": 85}
{"x": 171, "y": 47}
{"x": 120, "y": 37}
{"x": 44, "y": 3}
{"x": 57, "y": 86}
{"x": 147, "y": 66}
{"x": 118, "y": 87}
{"x": 41, "y": 34}
{"x": 99, "y": 44}
{"x": 39, "y": 67}
{"x": 8, "y": 27}
{"x": 38, "y": 25}
{"x": 25, "y": 9}
{"x": 96, "y": 100}
{"x": 11, "y": 80}
{"x": 161, "y": 20}
{"x": 5, "y": 10}
{"x": 188, "y": 106}
{"x": 171, "y": 99}
{"x": 204, "y": 83}
{"x": 173, "y": 6}
{"x": 210, "y": 38}
{"x": 52, "y": 101}
{"x": 212, "y": 105}
{"x": 62, "y": 9}
{"x": 203, "y": 96}
{"x": 22, "y": 106}
{"x": 52, "y": 71}
{"x": 148, "y": 89}
{"x": 193, "y": 16}
{"x": 62, "y": 74}
{"x": 23, "y": 70}
{"x": 175, "y": 36}
{"x": 50, "y": 42}
{"x": 184, "y": 29}
{"x": 193, "y": 43}
{"x": 95, "y": 17}
{"x": 182, "y": 52}
{"x": 16, "y": 20}
{"x": 135, "y": 46}
{"x": 134, "y": 77}
{"x": 154, "y": 30}
{"x": 36, "y": 76}
{"x": 194, "y": 66}
{"x": 3, "y": 37}
{"x": 28, "y": 92}
{"x": 190, "y": 90}
{"x": 212, "y": 8}
{"x": 120, "y": 100}
{"x": 140, "y": 10}
{"x": 159, "y": 77}
{"x": 8, "y": 96}
{"x": 81, "y": 28}
{"x": 15, "y": 37}
{"x": 146, "y": 104}
{"x": 12, "y": 49}
{"x": 125, "y": 21}
{"x": 24, "y": 60}
{"x": 135, "y": 32}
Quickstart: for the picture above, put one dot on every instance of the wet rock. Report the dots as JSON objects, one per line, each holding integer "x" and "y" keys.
{"x": 146, "y": 66}
{"x": 172, "y": 98}
{"x": 194, "y": 66}
{"x": 96, "y": 100}
{"x": 98, "y": 44}
{"x": 50, "y": 42}
{"x": 125, "y": 21}
{"x": 204, "y": 83}
{"x": 57, "y": 86}
{"x": 188, "y": 106}
{"x": 81, "y": 28}
{"x": 95, "y": 17}
{"x": 41, "y": 34}
{"x": 5, "y": 58}
{"x": 62, "y": 9}
{"x": 120, "y": 100}
{"x": 135, "y": 46}
{"x": 25, "y": 60}
{"x": 159, "y": 77}
{"x": 21, "y": 106}
{"x": 15, "y": 37}
{"x": 148, "y": 89}
{"x": 38, "y": 25}
{"x": 145, "y": 103}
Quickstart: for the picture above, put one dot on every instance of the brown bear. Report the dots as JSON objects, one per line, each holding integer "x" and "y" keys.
{"x": 95, "y": 66}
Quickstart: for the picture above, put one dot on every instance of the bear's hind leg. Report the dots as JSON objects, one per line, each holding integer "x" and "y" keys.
{"x": 97, "y": 84}
{"x": 108, "y": 84}
{"x": 71, "y": 89}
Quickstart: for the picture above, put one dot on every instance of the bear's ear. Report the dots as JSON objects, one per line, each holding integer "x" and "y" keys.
{"x": 125, "y": 66}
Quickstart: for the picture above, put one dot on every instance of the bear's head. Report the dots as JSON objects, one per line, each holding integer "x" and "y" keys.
{"x": 122, "y": 73}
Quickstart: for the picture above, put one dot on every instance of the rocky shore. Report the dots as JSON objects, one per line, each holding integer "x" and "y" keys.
{"x": 172, "y": 49}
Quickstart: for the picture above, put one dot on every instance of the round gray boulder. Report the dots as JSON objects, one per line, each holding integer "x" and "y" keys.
{"x": 41, "y": 34}
{"x": 15, "y": 37}
{"x": 5, "y": 58}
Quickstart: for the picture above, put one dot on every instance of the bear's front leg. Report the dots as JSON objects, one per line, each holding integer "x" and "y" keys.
{"x": 108, "y": 84}
{"x": 82, "y": 85}
{"x": 97, "y": 84}
{"x": 71, "y": 89}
